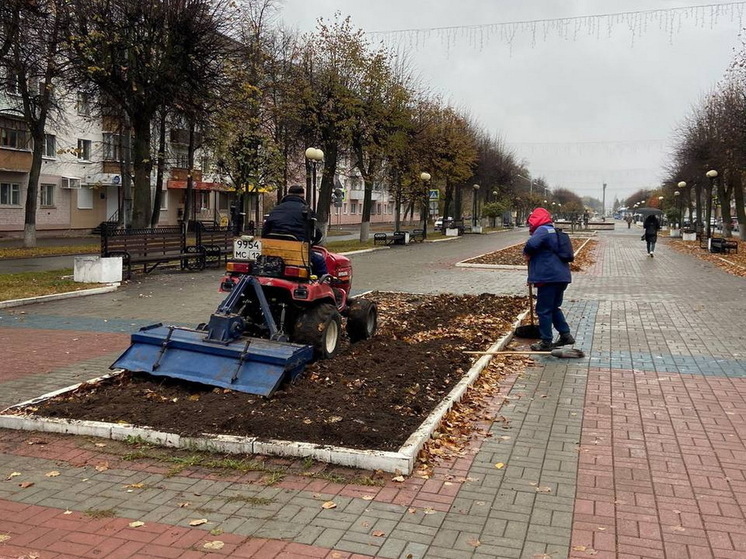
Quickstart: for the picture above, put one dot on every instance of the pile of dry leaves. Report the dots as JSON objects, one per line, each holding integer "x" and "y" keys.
{"x": 734, "y": 262}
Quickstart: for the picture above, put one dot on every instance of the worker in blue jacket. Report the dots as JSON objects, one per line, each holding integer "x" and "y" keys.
{"x": 550, "y": 275}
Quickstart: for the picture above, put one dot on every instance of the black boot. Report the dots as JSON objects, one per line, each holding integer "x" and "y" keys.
{"x": 543, "y": 345}
{"x": 564, "y": 339}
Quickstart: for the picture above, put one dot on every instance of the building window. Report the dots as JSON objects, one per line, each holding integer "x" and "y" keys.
{"x": 10, "y": 194}
{"x": 378, "y": 211}
{"x": 13, "y": 138}
{"x": 50, "y": 146}
{"x": 9, "y": 82}
{"x": 83, "y": 104}
{"x": 112, "y": 146}
{"x": 46, "y": 195}
{"x": 353, "y": 207}
{"x": 85, "y": 198}
{"x": 84, "y": 150}
{"x": 344, "y": 208}
{"x": 180, "y": 154}
{"x": 204, "y": 200}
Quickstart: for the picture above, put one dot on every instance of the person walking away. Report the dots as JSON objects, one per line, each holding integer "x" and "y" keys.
{"x": 549, "y": 271}
{"x": 628, "y": 219}
{"x": 650, "y": 236}
{"x": 290, "y": 217}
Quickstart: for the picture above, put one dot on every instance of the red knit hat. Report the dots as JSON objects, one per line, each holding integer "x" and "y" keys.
{"x": 538, "y": 217}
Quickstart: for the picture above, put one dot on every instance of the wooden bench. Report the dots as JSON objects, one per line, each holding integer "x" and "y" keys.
{"x": 151, "y": 247}
{"x": 417, "y": 236}
{"x": 216, "y": 243}
{"x": 398, "y": 238}
{"x": 380, "y": 239}
{"x": 723, "y": 245}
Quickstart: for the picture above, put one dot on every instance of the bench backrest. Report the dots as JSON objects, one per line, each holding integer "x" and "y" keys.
{"x": 142, "y": 242}
{"x": 215, "y": 235}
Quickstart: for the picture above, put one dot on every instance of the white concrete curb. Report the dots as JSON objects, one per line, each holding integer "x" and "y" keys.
{"x": 57, "y": 296}
{"x": 401, "y": 461}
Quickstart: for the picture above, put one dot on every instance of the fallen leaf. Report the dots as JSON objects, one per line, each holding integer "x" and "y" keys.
{"x": 499, "y": 465}
{"x": 100, "y": 445}
{"x": 579, "y": 548}
{"x": 13, "y": 474}
{"x": 102, "y": 467}
{"x": 68, "y": 512}
{"x": 474, "y": 542}
{"x": 26, "y": 484}
{"x": 378, "y": 533}
{"x": 216, "y": 531}
{"x": 398, "y": 479}
{"x": 184, "y": 505}
{"x": 412, "y": 510}
{"x": 198, "y": 522}
{"x": 4, "y": 537}
{"x": 543, "y": 489}
{"x": 367, "y": 497}
{"x": 136, "y": 524}
{"x": 217, "y": 544}
{"x": 679, "y": 529}
{"x": 429, "y": 510}
{"x": 329, "y": 505}
{"x": 136, "y": 485}
{"x": 53, "y": 473}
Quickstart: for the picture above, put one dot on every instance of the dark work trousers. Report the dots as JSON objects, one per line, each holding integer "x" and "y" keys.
{"x": 318, "y": 263}
{"x": 548, "y": 302}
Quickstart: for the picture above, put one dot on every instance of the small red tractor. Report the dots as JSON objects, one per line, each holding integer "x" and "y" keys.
{"x": 277, "y": 317}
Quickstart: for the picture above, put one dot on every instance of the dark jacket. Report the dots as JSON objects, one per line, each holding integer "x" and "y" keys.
{"x": 544, "y": 265}
{"x": 651, "y": 226}
{"x": 291, "y": 217}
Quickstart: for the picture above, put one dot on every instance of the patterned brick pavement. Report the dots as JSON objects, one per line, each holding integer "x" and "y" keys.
{"x": 636, "y": 451}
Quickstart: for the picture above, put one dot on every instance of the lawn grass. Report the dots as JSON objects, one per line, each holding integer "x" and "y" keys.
{"x": 34, "y": 284}
{"x": 21, "y": 252}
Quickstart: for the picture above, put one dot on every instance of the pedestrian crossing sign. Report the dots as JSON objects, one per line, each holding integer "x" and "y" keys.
{"x": 434, "y": 194}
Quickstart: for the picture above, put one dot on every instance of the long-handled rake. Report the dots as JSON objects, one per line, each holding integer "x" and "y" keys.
{"x": 561, "y": 352}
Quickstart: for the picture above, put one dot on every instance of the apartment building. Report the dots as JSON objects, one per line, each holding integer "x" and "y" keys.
{"x": 81, "y": 175}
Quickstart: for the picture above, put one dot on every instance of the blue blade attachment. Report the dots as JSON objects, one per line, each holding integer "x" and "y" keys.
{"x": 251, "y": 365}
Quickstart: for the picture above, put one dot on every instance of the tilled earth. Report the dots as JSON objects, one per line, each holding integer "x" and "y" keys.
{"x": 372, "y": 395}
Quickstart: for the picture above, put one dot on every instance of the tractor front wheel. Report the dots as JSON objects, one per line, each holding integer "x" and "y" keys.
{"x": 362, "y": 319}
{"x": 319, "y": 327}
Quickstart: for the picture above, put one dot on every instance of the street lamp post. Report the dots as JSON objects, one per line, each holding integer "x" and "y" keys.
{"x": 712, "y": 175}
{"x": 682, "y": 186}
{"x": 425, "y": 178}
{"x": 315, "y": 156}
{"x": 677, "y": 203}
{"x": 474, "y": 213}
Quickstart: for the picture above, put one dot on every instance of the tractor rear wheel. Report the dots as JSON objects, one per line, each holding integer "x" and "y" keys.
{"x": 362, "y": 319}
{"x": 319, "y": 327}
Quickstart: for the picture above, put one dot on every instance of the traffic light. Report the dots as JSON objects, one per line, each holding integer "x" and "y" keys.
{"x": 337, "y": 196}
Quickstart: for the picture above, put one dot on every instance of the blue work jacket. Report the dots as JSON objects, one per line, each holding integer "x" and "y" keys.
{"x": 544, "y": 265}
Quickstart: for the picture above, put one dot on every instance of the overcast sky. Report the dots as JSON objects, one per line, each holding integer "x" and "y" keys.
{"x": 594, "y": 106}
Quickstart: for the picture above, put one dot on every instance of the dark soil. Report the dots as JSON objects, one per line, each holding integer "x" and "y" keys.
{"x": 372, "y": 395}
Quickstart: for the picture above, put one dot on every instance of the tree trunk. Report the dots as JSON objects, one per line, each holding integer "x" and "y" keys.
{"x": 740, "y": 210}
{"x": 142, "y": 165}
{"x": 32, "y": 190}
{"x": 161, "y": 164}
{"x": 327, "y": 185}
{"x": 190, "y": 178}
{"x": 126, "y": 219}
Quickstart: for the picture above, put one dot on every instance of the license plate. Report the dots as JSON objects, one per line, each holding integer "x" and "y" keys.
{"x": 246, "y": 249}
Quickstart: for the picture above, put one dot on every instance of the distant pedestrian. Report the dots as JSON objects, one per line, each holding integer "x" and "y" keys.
{"x": 549, "y": 271}
{"x": 628, "y": 219}
{"x": 650, "y": 236}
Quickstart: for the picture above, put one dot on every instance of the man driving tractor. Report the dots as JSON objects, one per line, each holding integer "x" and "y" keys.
{"x": 293, "y": 216}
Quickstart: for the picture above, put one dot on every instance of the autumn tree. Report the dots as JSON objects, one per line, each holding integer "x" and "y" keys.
{"x": 140, "y": 54}
{"x": 33, "y": 34}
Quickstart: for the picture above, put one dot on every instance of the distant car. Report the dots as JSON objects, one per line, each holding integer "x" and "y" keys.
{"x": 438, "y": 223}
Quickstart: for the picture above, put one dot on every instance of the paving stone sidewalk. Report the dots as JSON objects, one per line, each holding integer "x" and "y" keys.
{"x": 636, "y": 451}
